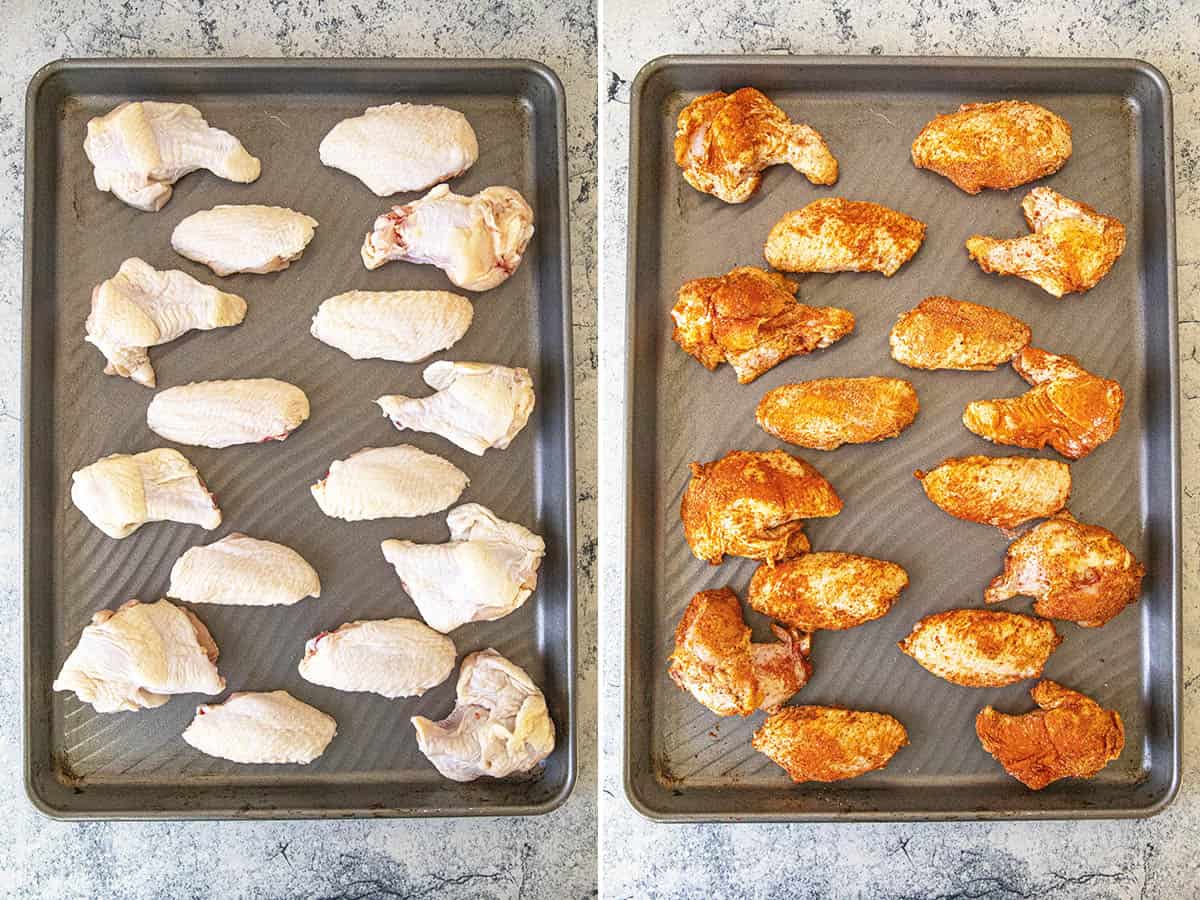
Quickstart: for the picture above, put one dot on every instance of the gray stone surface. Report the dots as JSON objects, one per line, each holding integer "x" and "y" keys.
{"x": 551, "y": 856}
{"x": 1151, "y": 858}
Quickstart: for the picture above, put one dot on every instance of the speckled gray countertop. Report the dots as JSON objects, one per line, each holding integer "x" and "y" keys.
{"x": 1148, "y": 858}
{"x": 550, "y": 856}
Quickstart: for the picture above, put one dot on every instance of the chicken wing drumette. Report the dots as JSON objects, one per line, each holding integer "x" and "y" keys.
{"x": 715, "y": 661}
{"x": 1072, "y": 246}
{"x": 724, "y": 141}
{"x": 1078, "y": 572}
{"x": 751, "y": 319}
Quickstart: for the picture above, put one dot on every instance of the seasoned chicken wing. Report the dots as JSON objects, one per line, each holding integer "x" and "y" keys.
{"x": 836, "y": 235}
{"x": 981, "y": 647}
{"x": 751, "y": 319}
{"x": 994, "y": 145}
{"x": 1070, "y": 736}
{"x": 1072, "y": 246}
{"x": 754, "y": 504}
{"x": 826, "y": 590}
{"x": 717, "y": 664}
{"x": 1078, "y": 572}
{"x": 724, "y": 141}
{"x": 828, "y": 412}
{"x": 998, "y": 490}
{"x": 944, "y": 333}
{"x": 1068, "y": 407}
{"x": 828, "y": 743}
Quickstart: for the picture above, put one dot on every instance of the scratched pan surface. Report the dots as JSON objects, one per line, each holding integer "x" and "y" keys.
{"x": 81, "y": 764}
{"x": 683, "y": 763}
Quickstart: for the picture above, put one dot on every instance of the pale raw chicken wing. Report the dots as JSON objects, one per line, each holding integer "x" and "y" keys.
{"x": 724, "y": 141}
{"x": 387, "y": 482}
{"x": 402, "y": 326}
{"x": 944, "y": 333}
{"x": 389, "y": 657}
{"x": 1004, "y": 491}
{"x": 224, "y": 413}
{"x": 252, "y": 238}
{"x": 828, "y": 743}
{"x": 715, "y": 661}
{"x": 981, "y": 647}
{"x": 751, "y": 319}
{"x": 836, "y": 235}
{"x": 239, "y": 570}
{"x": 253, "y": 727}
{"x": 825, "y": 413}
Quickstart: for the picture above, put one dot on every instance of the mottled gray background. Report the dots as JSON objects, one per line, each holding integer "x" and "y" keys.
{"x": 1150, "y": 858}
{"x": 547, "y": 857}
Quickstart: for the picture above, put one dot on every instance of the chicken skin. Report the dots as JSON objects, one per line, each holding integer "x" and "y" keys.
{"x": 717, "y": 664}
{"x": 828, "y": 412}
{"x": 753, "y": 504}
{"x": 751, "y": 319}
{"x": 994, "y": 145}
{"x": 826, "y": 590}
{"x": 1069, "y": 736}
{"x": 944, "y": 333}
{"x": 1003, "y": 491}
{"x": 1068, "y": 407}
{"x": 836, "y": 235}
{"x": 724, "y": 141}
{"x": 1072, "y": 246}
{"x": 1078, "y": 572}
{"x": 981, "y": 647}
{"x": 827, "y": 743}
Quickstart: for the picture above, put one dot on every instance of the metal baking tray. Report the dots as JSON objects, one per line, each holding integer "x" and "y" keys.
{"x": 134, "y": 765}
{"x": 681, "y": 763}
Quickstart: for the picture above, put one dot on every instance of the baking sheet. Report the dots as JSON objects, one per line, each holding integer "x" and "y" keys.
{"x": 134, "y": 765}
{"x": 683, "y": 763}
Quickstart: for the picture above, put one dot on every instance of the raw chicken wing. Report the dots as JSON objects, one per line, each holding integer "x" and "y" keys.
{"x": 477, "y": 405}
{"x": 717, "y": 664}
{"x": 1068, "y": 407}
{"x": 477, "y": 241}
{"x": 403, "y": 326}
{"x": 1077, "y": 572}
{"x": 271, "y": 727}
{"x": 833, "y": 591}
{"x": 1072, "y": 246}
{"x": 141, "y": 307}
{"x": 138, "y": 656}
{"x": 1003, "y": 491}
{"x": 140, "y": 149}
{"x": 981, "y": 647}
{"x": 402, "y": 147}
{"x": 256, "y": 239}
{"x": 224, "y": 413}
{"x": 499, "y": 725}
{"x": 387, "y": 482}
{"x": 751, "y": 319}
{"x": 724, "y": 141}
{"x": 944, "y": 333}
{"x": 390, "y": 657}
{"x": 828, "y": 743}
{"x": 486, "y": 571}
{"x": 828, "y": 412}
{"x": 753, "y": 504}
{"x": 994, "y": 145}
{"x": 836, "y": 235}
{"x": 1070, "y": 736}
{"x": 239, "y": 570}
{"x": 121, "y": 493}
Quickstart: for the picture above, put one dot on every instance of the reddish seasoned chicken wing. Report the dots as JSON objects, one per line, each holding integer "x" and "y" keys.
{"x": 827, "y": 743}
{"x": 827, "y": 590}
{"x": 1003, "y": 491}
{"x": 836, "y": 235}
{"x": 944, "y": 333}
{"x": 825, "y": 413}
{"x": 981, "y": 647}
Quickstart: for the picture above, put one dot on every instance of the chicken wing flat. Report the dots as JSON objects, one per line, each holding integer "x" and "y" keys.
{"x": 981, "y": 647}
{"x": 828, "y": 412}
{"x": 1068, "y": 407}
{"x": 724, "y": 141}
{"x": 998, "y": 490}
{"x": 1070, "y": 736}
{"x": 751, "y": 319}
{"x": 836, "y": 235}
{"x": 827, "y": 590}
{"x": 828, "y": 743}
{"x": 944, "y": 333}
{"x": 1072, "y": 246}
{"x": 994, "y": 145}
{"x": 717, "y": 664}
{"x": 1081, "y": 573}
{"x": 752, "y": 503}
